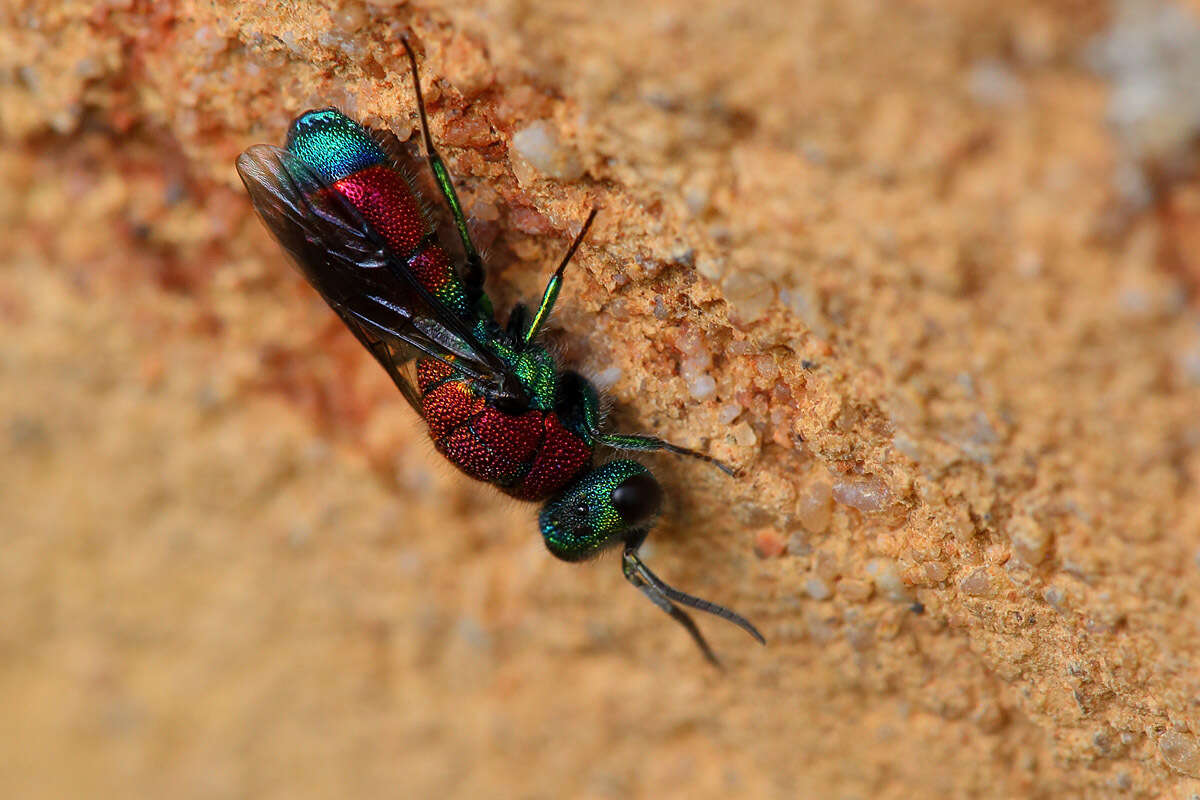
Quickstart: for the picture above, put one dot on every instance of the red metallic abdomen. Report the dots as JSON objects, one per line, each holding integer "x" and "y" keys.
{"x": 530, "y": 456}
{"x": 386, "y": 201}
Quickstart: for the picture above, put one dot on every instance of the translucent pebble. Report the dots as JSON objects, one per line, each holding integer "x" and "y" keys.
{"x": 817, "y": 589}
{"x": 694, "y": 364}
{"x": 288, "y": 38}
{"x": 801, "y": 303}
{"x": 744, "y": 435}
{"x": 696, "y": 197}
{"x": 696, "y": 357}
{"x": 538, "y": 144}
{"x": 992, "y": 83}
{"x": 868, "y": 495}
{"x": 473, "y": 130}
{"x": 1188, "y": 362}
{"x": 710, "y": 267}
{"x": 1057, "y": 599}
{"x": 977, "y": 584}
{"x": 767, "y": 368}
{"x": 1149, "y": 56}
{"x": 1181, "y": 752}
{"x": 749, "y": 293}
{"x": 1030, "y": 540}
{"x": 702, "y": 387}
{"x": 691, "y": 343}
{"x": 1029, "y": 263}
{"x": 209, "y": 40}
{"x": 886, "y": 576}
{"x": 826, "y": 565}
{"x": 65, "y": 120}
{"x": 484, "y": 211}
{"x": 728, "y": 413}
{"x": 814, "y": 507}
{"x": 936, "y": 571}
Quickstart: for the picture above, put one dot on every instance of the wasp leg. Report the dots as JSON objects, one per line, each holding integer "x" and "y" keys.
{"x": 555, "y": 282}
{"x": 473, "y": 269}
{"x": 579, "y": 407}
{"x": 637, "y": 442}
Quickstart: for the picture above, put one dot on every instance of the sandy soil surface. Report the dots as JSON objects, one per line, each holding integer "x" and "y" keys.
{"x": 912, "y": 266}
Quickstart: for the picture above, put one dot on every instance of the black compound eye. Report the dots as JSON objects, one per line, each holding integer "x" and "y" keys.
{"x": 637, "y": 498}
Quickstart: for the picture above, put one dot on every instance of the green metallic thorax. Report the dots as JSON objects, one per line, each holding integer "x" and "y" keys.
{"x": 536, "y": 370}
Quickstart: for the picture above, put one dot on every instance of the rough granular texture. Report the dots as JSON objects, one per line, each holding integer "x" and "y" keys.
{"x": 876, "y": 254}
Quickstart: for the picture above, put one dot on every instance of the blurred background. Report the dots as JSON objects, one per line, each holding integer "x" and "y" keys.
{"x": 926, "y": 271}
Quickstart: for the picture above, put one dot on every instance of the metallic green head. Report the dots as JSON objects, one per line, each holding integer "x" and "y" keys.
{"x": 613, "y": 503}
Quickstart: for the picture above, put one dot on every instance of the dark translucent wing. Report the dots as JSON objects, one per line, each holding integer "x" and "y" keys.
{"x": 396, "y": 363}
{"x": 370, "y": 289}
